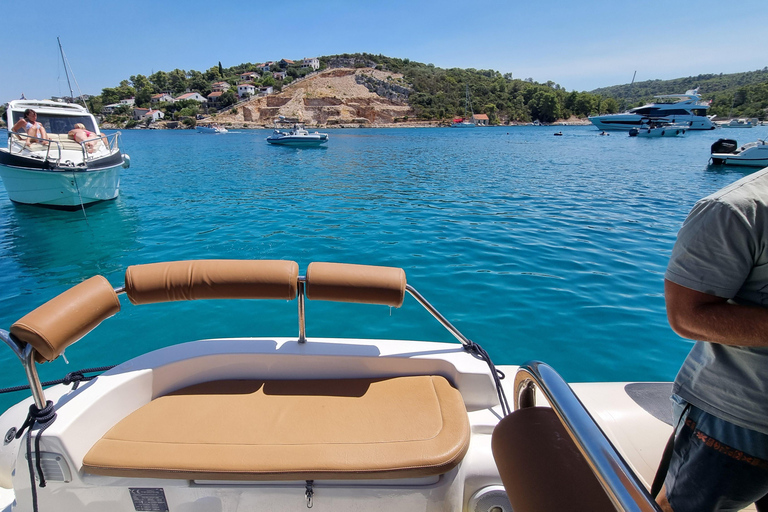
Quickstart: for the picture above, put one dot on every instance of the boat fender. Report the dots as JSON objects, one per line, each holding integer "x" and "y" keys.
{"x": 662, "y": 132}
{"x": 126, "y": 161}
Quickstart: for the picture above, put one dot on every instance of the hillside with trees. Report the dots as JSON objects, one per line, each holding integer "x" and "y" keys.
{"x": 438, "y": 95}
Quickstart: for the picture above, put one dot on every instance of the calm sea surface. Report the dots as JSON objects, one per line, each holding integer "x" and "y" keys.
{"x": 534, "y": 246}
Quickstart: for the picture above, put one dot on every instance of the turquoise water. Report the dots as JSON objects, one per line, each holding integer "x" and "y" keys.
{"x": 534, "y": 246}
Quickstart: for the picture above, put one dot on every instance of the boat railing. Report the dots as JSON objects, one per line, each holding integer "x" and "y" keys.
{"x": 48, "y": 330}
{"x": 621, "y": 484}
{"x": 21, "y": 143}
{"x": 112, "y": 144}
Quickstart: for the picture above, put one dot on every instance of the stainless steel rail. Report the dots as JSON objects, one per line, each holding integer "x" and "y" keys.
{"x": 622, "y": 486}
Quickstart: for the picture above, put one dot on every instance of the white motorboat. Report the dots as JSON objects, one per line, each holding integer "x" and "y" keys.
{"x": 211, "y": 128}
{"x": 297, "y": 136}
{"x": 752, "y": 154}
{"x": 739, "y": 123}
{"x": 59, "y": 172}
{"x": 658, "y": 130}
{"x": 285, "y": 423}
{"x": 685, "y": 109}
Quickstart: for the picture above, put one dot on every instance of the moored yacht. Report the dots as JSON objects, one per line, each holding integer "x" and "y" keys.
{"x": 297, "y": 136}
{"x": 686, "y": 110}
{"x": 59, "y": 171}
{"x": 279, "y": 423}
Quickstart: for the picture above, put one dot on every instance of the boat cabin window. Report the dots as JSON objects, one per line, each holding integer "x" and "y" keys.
{"x": 55, "y": 123}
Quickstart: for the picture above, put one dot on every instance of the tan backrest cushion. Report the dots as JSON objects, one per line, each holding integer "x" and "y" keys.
{"x": 67, "y": 317}
{"x": 343, "y": 282}
{"x": 212, "y": 279}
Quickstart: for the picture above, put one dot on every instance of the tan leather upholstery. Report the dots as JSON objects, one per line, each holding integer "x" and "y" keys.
{"x": 212, "y": 279}
{"x": 291, "y": 430}
{"x": 67, "y": 317}
{"x": 540, "y": 466}
{"x": 343, "y": 282}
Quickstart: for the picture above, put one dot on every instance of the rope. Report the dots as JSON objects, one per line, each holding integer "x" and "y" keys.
{"x": 475, "y": 349}
{"x": 44, "y": 418}
{"x": 75, "y": 378}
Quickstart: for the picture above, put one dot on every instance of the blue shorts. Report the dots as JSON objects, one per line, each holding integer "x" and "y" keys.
{"x": 715, "y": 465}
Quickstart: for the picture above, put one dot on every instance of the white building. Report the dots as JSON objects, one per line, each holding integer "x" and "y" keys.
{"x": 220, "y": 87}
{"x": 311, "y": 62}
{"x": 191, "y": 96}
{"x": 164, "y": 96}
{"x": 246, "y": 89}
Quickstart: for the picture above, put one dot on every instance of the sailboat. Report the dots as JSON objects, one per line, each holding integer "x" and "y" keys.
{"x": 465, "y": 122}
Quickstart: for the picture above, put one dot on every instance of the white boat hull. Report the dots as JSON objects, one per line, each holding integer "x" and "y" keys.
{"x": 60, "y": 188}
{"x": 625, "y": 122}
{"x": 750, "y": 155}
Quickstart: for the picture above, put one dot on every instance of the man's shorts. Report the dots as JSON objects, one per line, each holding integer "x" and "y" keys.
{"x": 715, "y": 465}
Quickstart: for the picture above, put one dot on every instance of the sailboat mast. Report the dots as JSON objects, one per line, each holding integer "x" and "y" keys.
{"x": 64, "y": 61}
{"x": 66, "y": 72}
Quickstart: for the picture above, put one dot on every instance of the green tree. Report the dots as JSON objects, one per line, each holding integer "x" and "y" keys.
{"x": 544, "y": 106}
{"x": 161, "y": 81}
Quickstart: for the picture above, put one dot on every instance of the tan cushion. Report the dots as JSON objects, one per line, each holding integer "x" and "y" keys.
{"x": 399, "y": 427}
{"x": 66, "y": 318}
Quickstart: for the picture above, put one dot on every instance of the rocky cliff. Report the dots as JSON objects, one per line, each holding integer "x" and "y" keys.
{"x": 334, "y": 97}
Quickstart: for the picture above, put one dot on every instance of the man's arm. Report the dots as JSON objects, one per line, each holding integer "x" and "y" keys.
{"x": 701, "y": 316}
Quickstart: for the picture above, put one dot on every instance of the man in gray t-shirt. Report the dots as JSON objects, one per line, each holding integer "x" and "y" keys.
{"x": 716, "y": 291}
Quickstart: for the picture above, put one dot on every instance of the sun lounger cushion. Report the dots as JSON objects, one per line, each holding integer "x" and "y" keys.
{"x": 401, "y": 427}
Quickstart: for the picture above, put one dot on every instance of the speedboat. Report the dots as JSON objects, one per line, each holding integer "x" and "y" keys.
{"x": 738, "y": 123}
{"x": 297, "y": 136}
{"x": 211, "y": 128}
{"x": 279, "y": 423}
{"x": 685, "y": 109}
{"x": 60, "y": 172}
{"x": 658, "y": 130}
{"x": 726, "y": 151}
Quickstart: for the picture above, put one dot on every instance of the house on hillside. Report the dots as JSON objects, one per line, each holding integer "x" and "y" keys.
{"x": 279, "y": 75}
{"x": 220, "y": 86}
{"x": 263, "y": 91}
{"x": 480, "y": 119}
{"x": 109, "y": 109}
{"x": 147, "y": 113}
{"x": 284, "y": 63}
{"x": 214, "y": 98}
{"x": 163, "y": 96}
{"x": 265, "y": 67}
{"x": 248, "y": 76}
{"x": 191, "y": 96}
{"x": 246, "y": 90}
{"x": 311, "y": 62}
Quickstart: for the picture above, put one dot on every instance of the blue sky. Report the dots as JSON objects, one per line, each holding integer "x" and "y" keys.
{"x": 579, "y": 45}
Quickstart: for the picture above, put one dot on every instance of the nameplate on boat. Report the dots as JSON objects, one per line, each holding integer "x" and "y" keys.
{"x": 148, "y": 499}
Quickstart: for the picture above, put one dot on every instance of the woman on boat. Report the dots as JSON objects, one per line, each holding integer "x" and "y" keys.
{"x": 29, "y": 125}
{"x": 80, "y": 134}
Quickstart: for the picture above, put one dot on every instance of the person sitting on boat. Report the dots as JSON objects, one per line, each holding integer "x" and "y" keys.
{"x": 80, "y": 134}
{"x": 29, "y": 125}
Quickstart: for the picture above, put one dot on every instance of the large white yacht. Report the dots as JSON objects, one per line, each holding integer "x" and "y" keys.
{"x": 687, "y": 110}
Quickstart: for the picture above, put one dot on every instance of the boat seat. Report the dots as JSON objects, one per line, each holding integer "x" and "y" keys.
{"x": 401, "y": 427}
{"x": 541, "y": 467}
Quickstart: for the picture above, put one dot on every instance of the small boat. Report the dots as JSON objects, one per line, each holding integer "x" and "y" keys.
{"x": 297, "y": 136}
{"x": 752, "y": 154}
{"x": 739, "y": 123}
{"x": 685, "y": 109}
{"x": 558, "y": 134}
{"x": 657, "y": 129}
{"x": 211, "y": 128}
{"x": 337, "y": 423}
{"x": 59, "y": 172}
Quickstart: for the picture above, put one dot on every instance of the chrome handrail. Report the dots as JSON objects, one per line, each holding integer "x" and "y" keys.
{"x": 623, "y": 487}
{"x": 47, "y": 152}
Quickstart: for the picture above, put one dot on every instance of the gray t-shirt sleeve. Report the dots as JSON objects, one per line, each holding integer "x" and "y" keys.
{"x": 714, "y": 252}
